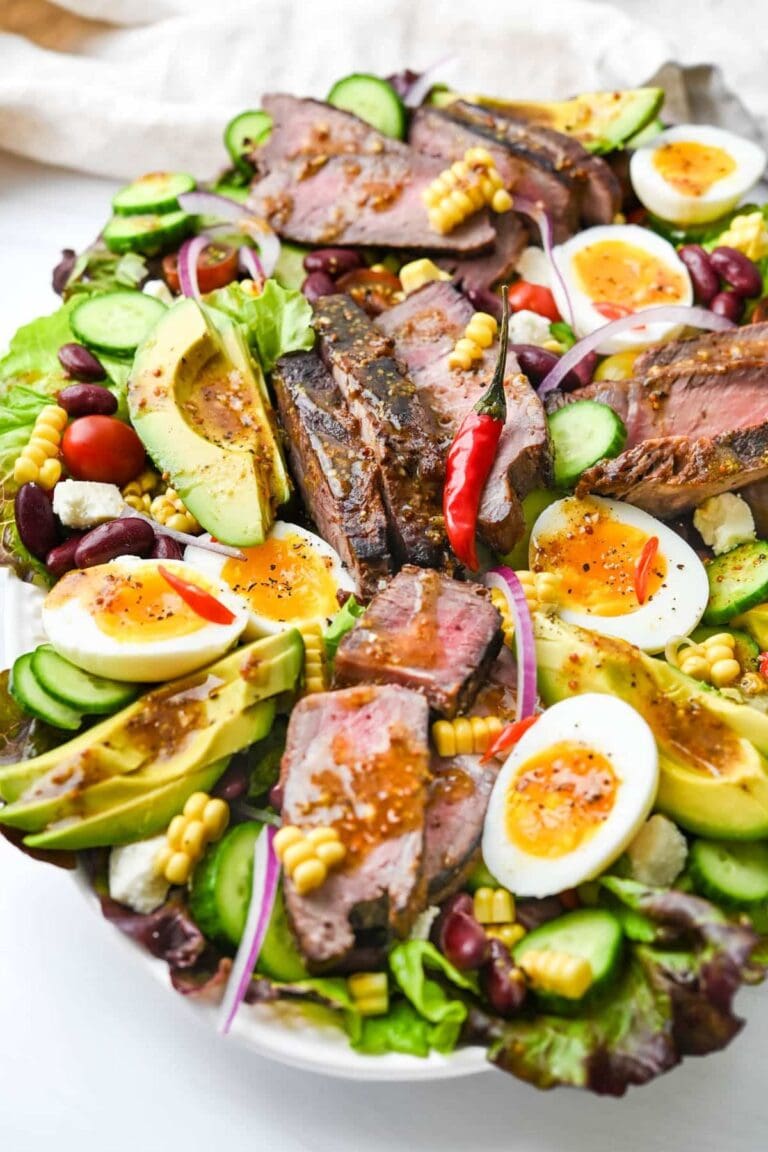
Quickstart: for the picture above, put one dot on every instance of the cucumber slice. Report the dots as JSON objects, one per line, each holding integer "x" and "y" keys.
{"x": 93, "y": 695}
{"x": 155, "y": 192}
{"x": 30, "y": 695}
{"x": 289, "y": 270}
{"x": 371, "y": 99}
{"x": 738, "y": 581}
{"x": 593, "y": 933}
{"x": 218, "y": 902}
{"x": 746, "y": 650}
{"x": 149, "y": 234}
{"x": 245, "y": 133}
{"x": 583, "y": 433}
{"x": 730, "y": 872}
{"x": 116, "y": 322}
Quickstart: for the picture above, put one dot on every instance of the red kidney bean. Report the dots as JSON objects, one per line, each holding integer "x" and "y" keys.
{"x": 738, "y": 270}
{"x": 502, "y": 982}
{"x": 334, "y": 261}
{"x": 87, "y": 400}
{"x": 728, "y": 304}
{"x": 582, "y": 372}
{"x": 128, "y": 536}
{"x": 705, "y": 280}
{"x": 463, "y": 941}
{"x": 80, "y": 363}
{"x": 537, "y": 363}
{"x": 166, "y": 548}
{"x": 318, "y": 284}
{"x": 62, "y": 558}
{"x": 484, "y": 300}
{"x": 35, "y": 521}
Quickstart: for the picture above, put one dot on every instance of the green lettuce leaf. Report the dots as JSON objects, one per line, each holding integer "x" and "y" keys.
{"x": 343, "y": 622}
{"x": 277, "y": 321}
{"x": 403, "y": 1029}
{"x": 99, "y": 270}
{"x": 410, "y": 963}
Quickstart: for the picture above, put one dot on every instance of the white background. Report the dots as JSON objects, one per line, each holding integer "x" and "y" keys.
{"x": 94, "y": 1055}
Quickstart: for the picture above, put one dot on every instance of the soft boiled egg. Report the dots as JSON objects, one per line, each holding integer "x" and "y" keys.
{"x": 571, "y": 796}
{"x": 125, "y": 621}
{"x": 594, "y": 547}
{"x": 693, "y": 173}
{"x": 613, "y": 270}
{"x": 291, "y": 579}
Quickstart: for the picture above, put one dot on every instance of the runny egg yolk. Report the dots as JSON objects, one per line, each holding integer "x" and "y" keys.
{"x": 625, "y": 278}
{"x": 284, "y": 579}
{"x": 692, "y": 168}
{"x": 559, "y": 798}
{"x": 595, "y": 558}
{"x": 140, "y": 607}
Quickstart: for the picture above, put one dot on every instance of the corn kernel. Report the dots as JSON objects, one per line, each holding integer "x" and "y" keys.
{"x": 501, "y": 201}
{"x": 193, "y": 839}
{"x": 479, "y": 156}
{"x": 322, "y": 836}
{"x": 175, "y": 832}
{"x": 195, "y": 805}
{"x": 468, "y": 348}
{"x": 460, "y": 203}
{"x": 297, "y": 854}
{"x": 479, "y": 334}
{"x": 720, "y": 640}
{"x": 459, "y": 361}
{"x": 557, "y": 972}
{"x": 723, "y": 672}
{"x": 509, "y": 934}
{"x": 483, "y": 905}
{"x": 331, "y": 853}
{"x": 215, "y": 818}
{"x": 695, "y": 666}
{"x": 288, "y": 835}
{"x": 25, "y": 471}
{"x": 367, "y": 984}
{"x": 717, "y": 653}
{"x": 49, "y": 434}
{"x": 163, "y": 859}
{"x": 309, "y": 874}
{"x": 419, "y": 272}
{"x": 503, "y": 907}
{"x": 35, "y": 453}
{"x": 49, "y": 474}
{"x": 54, "y": 414}
{"x": 178, "y": 868}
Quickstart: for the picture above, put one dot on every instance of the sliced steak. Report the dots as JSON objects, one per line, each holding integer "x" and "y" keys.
{"x": 428, "y": 632}
{"x": 358, "y": 760}
{"x": 334, "y": 470}
{"x": 457, "y": 801}
{"x": 671, "y": 474}
{"x": 424, "y": 329}
{"x": 310, "y": 129}
{"x": 713, "y": 348}
{"x": 400, "y": 431}
{"x": 481, "y": 273}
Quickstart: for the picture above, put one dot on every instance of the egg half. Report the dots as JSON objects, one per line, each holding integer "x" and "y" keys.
{"x": 571, "y": 796}
{"x": 613, "y": 270}
{"x": 293, "y": 578}
{"x": 593, "y": 545}
{"x": 694, "y": 173}
{"x": 124, "y": 620}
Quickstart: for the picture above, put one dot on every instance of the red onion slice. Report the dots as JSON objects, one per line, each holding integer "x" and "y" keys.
{"x": 420, "y": 89}
{"x": 507, "y": 582}
{"x": 204, "y": 542}
{"x": 267, "y": 241}
{"x": 250, "y": 263}
{"x": 211, "y": 204}
{"x": 664, "y": 314}
{"x": 189, "y": 254}
{"x": 536, "y": 212}
{"x": 266, "y": 873}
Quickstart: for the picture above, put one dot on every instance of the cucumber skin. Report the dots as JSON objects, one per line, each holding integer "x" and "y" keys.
{"x": 171, "y": 229}
{"x": 567, "y": 473}
{"x": 85, "y": 333}
{"x": 394, "y": 125}
{"x": 124, "y": 693}
{"x": 700, "y": 874}
{"x": 123, "y": 205}
{"x": 542, "y": 937}
{"x": 60, "y": 715}
{"x": 727, "y": 600}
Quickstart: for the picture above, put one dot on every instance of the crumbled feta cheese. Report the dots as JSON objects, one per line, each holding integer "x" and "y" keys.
{"x": 724, "y": 521}
{"x": 533, "y": 266}
{"x": 84, "y": 503}
{"x": 748, "y": 233}
{"x": 658, "y": 853}
{"x": 529, "y": 328}
{"x": 159, "y": 290}
{"x": 132, "y": 877}
{"x": 422, "y": 925}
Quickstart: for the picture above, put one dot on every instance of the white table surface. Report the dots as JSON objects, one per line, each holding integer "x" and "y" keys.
{"x": 95, "y": 1055}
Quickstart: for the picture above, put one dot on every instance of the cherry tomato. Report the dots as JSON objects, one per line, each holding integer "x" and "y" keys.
{"x": 533, "y": 298}
{"x": 203, "y": 603}
{"x": 216, "y": 266}
{"x": 102, "y": 448}
{"x": 374, "y": 289}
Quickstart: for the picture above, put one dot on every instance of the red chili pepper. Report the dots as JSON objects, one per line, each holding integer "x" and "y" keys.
{"x": 643, "y": 567}
{"x": 508, "y": 737}
{"x": 612, "y": 311}
{"x": 471, "y": 457}
{"x": 200, "y": 601}
{"x": 762, "y": 664}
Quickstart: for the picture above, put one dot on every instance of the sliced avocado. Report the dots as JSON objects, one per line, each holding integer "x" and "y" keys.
{"x": 712, "y": 750}
{"x": 199, "y": 404}
{"x": 755, "y": 622}
{"x": 289, "y": 270}
{"x": 146, "y": 754}
{"x": 601, "y": 121}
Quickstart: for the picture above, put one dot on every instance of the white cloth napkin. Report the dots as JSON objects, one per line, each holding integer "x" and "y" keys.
{"x": 155, "y": 89}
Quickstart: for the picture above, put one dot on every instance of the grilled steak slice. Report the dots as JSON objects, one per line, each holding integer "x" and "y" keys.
{"x": 310, "y": 129}
{"x": 671, "y": 474}
{"x": 400, "y": 431}
{"x": 456, "y": 805}
{"x": 428, "y": 632}
{"x": 358, "y": 760}
{"x": 335, "y": 472}
{"x": 480, "y": 273}
{"x": 425, "y": 328}
{"x": 449, "y": 132}
{"x": 709, "y": 350}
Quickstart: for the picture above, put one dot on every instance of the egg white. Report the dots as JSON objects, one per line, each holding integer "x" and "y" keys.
{"x": 610, "y": 727}
{"x": 259, "y": 624}
{"x": 586, "y": 318}
{"x": 74, "y": 634}
{"x": 674, "y": 610}
{"x": 668, "y": 202}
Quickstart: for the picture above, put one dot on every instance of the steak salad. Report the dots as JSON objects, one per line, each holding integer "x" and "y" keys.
{"x": 389, "y": 515}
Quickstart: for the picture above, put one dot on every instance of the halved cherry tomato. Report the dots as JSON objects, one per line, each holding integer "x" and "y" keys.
{"x": 643, "y": 567}
{"x": 533, "y": 298}
{"x": 762, "y": 664}
{"x": 508, "y": 737}
{"x": 200, "y": 601}
{"x": 612, "y": 311}
{"x": 216, "y": 266}
{"x": 374, "y": 289}
{"x": 102, "y": 448}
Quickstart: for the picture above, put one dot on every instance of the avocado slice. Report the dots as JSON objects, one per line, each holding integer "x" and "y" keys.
{"x": 601, "y": 121}
{"x": 132, "y": 765}
{"x": 200, "y": 406}
{"x": 712, "y": 751}
{"x": 755, "y": 623}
